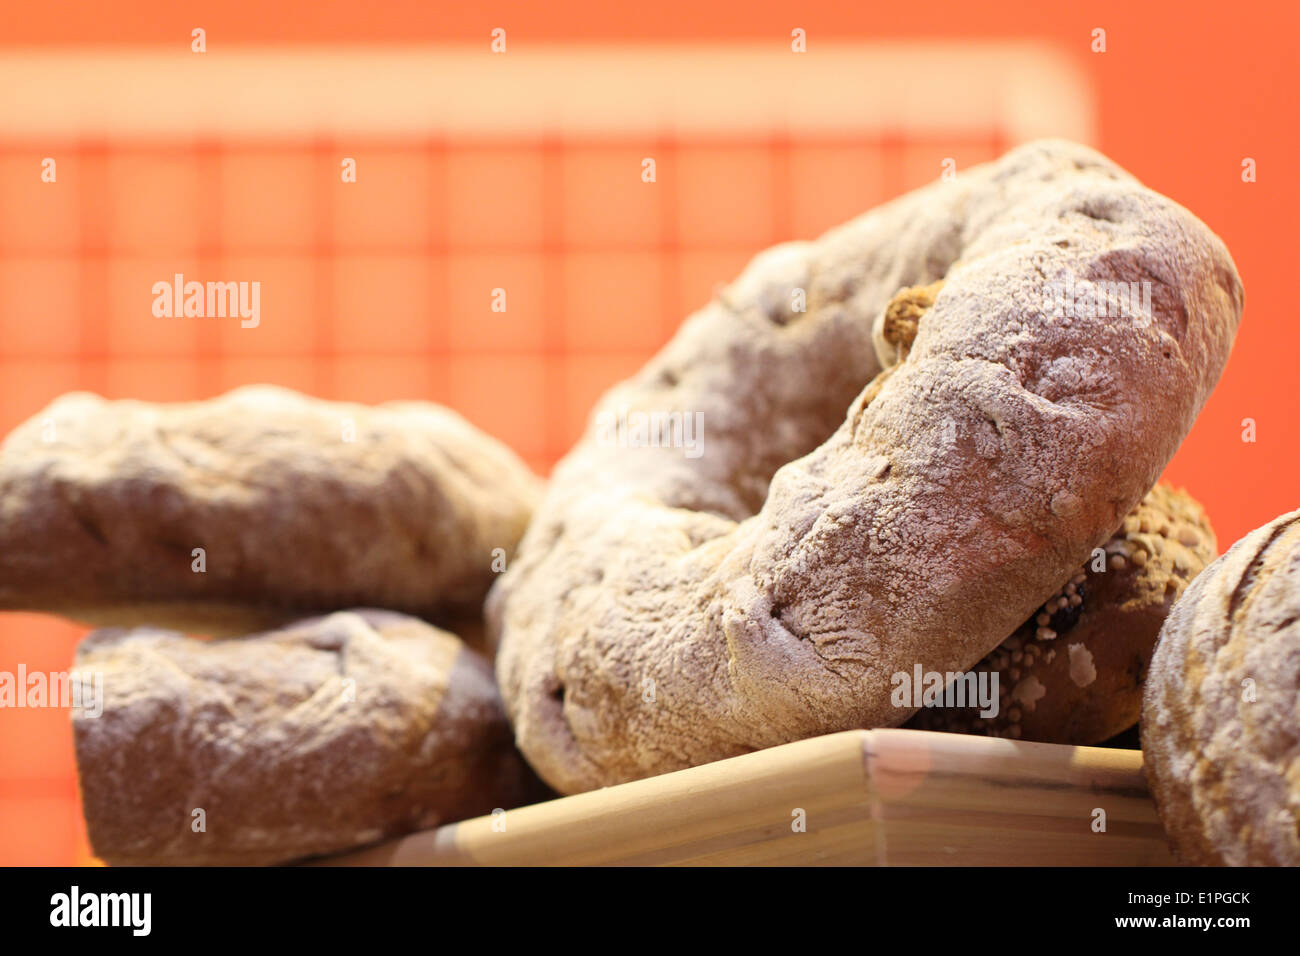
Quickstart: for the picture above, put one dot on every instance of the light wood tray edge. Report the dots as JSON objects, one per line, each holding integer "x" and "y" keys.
{"x": 866, "y": 797}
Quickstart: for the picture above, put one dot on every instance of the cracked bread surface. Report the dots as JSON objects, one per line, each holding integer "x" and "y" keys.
{"x": 299, "y": 505}
{"x": 329, "y": 734}
{"x": 666, "y": 610}
{"x": 1073, "y": 672}
{"x": 1221, "y": 710}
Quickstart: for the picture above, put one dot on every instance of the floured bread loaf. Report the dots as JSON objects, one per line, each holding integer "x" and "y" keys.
{"x": 741, "y": 553}
{"x": 330, "y": 734}
{"x": 1221, "y": 710}
{"x": 226, "y": 515}
{"x": 1073, "y": 672}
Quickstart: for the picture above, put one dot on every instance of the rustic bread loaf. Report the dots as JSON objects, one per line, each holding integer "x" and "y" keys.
{"x": 728, "y": 562}
{"x": 1073, "y": 673}
{"x": 329, "y": 734}
{"x": 1221, "y": 710}
{"x": 252, "y": 508}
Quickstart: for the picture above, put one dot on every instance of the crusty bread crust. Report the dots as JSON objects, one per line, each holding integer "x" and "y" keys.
{"x": 330, "y": 734}
{"x": 299, "y": 504}
{"x": 1073, "y": 673}
{"x": 666, "y": 610}
{"x": 1219, "y": 715}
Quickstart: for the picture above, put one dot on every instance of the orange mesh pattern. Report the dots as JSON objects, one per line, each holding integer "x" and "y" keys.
{"x": 376, "y": 290}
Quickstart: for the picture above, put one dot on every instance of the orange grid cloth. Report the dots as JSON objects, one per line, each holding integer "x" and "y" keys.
{"x": 377, "y": 290}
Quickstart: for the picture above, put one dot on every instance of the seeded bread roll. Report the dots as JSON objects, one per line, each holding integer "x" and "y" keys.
{"x": 297, "y": 504}
{"x": 1221, "y": 710}
{"x": 672, "y": 605}
{"x": 1073, "y": 672}
{"x": 327, "y": 735}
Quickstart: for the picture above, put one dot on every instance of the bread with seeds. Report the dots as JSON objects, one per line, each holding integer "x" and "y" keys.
{"x": 243, "y": 511}
{"x": 1073, "y": 673}
{"x": 1221, "y": 709}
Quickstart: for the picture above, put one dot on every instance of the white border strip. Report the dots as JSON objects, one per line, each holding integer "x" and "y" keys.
{"x": 1026, "y": 90}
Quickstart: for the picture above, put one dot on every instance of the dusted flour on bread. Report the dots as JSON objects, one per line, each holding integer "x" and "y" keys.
{"x": 1073, "y": 672}
{"x": 1221, "y": 711}
{"x": 295, "y": 503}
{"x": 666, "y": 610}
{"x": 327, "y": 735}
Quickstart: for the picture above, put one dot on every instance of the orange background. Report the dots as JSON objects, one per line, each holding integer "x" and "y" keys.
{"x": 1183, "y": 93}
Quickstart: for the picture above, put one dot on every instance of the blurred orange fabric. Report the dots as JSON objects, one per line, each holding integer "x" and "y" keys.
{"x": 384, "y": 289}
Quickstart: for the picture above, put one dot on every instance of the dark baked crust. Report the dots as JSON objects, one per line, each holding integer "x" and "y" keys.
{"x": 1073, "y": 673}
{"x": 330, "y": 734}
{"x": 301, "y": 505}
{"x": 1220, "y": 709}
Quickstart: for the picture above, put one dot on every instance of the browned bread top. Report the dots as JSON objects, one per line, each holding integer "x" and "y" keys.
{"x": 231, "y": 513}
{"x": 1221, "y": 711}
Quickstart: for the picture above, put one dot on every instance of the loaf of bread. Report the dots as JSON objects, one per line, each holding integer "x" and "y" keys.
{"x": 254, "y": 508}
{"x": 839, "y": 470}
{"x": 1221, "y": 710}
{"x": 330, "y": 734}
{"x": 1073, "y": 672}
